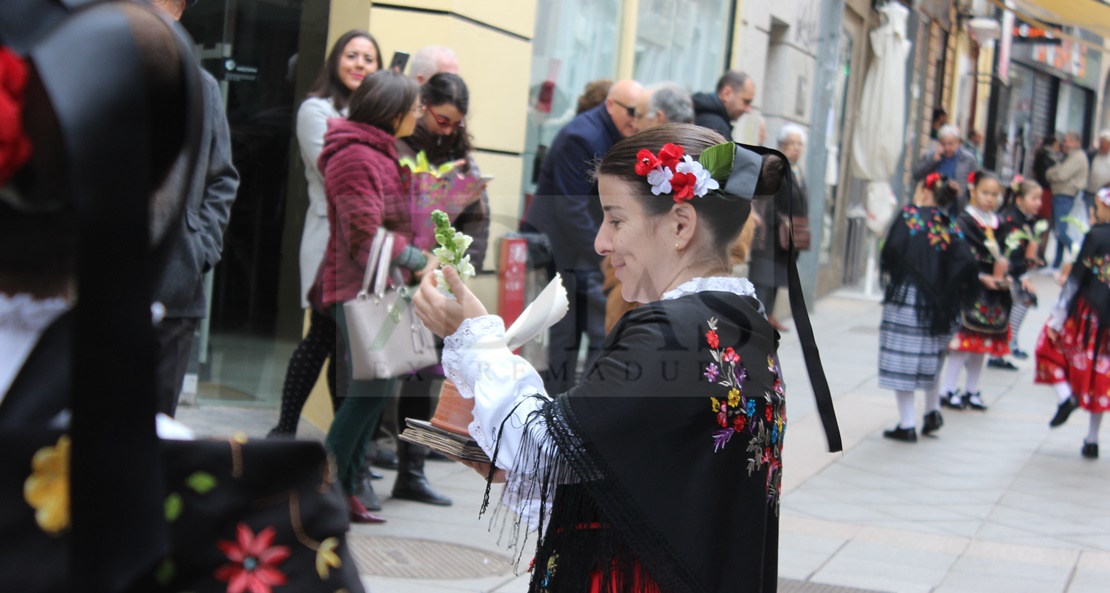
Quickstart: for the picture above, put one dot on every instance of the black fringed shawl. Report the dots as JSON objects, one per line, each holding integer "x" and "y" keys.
{"x": 660, "y": 464}
{"x": 989, "y": 310}
{"x": 1091, "y": 272}
{"x": 925, "y": 249}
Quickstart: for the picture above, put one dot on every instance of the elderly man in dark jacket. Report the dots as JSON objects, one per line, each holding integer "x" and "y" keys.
{"x": 733, "y": 98}
{"x": 950, "y": 159}
{"x": 566, "y": 209}
{"x": 200, "y": 239}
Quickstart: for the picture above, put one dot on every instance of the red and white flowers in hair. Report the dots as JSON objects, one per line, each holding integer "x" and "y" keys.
{"x": 15, "y": 147}
{"x": 674, "y": 172}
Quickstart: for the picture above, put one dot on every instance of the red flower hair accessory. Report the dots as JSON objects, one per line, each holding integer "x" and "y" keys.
{"x": 673, "y": 171}
{"x": 973, "y": 177}
{"x": 1103, "y": 196}
{"x": 931, "y": 181}
{"x": 1015, "y": 183}
{"x": 15, "y": 146}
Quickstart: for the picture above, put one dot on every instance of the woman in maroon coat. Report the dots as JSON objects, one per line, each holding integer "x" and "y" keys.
{"x": 365, "y": 193}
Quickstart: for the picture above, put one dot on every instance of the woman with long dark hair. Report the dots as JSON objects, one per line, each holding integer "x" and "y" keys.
{"x": 441, "y": 134}
{"x": 354, "y": 56}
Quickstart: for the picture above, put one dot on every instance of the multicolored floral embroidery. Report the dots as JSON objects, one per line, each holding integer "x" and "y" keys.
{"x": 1099, "y": 266}
{"x": 761, "y": 416}
{"x": 940, "y": 230}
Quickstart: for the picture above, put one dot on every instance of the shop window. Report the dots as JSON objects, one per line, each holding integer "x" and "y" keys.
{"x": 1072, "y": 107}
{"x": 682, "y": 41}
{"x": 576, "y": 43}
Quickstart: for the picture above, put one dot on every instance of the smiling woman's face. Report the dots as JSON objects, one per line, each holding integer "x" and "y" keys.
{"x": 642, "y": 259}
{"x": 358, "y": 61}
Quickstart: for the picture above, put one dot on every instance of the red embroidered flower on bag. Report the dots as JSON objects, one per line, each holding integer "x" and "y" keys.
{"x": 730, "y": 355}
{"x": 253, "y": 565}
{"x": 769, "y": 413}
{"x": 645, "y": 162}
{"x": 683, "y": 186}
{"x": 670, "y": 155}
{"x": 722, "y": 416}
{"x": 739, "y": 422}
{"x": 711, "y": 337}
{"x": 15, "y": 147}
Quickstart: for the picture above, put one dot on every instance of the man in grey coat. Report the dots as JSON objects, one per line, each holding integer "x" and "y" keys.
{"x": 949, "y": 158}
{"x": 200, "y": 236}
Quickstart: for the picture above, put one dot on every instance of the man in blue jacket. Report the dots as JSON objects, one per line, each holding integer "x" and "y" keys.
{"x": 566, "y": 209}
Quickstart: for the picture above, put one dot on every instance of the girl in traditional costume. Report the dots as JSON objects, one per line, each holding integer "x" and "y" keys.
{"x": 985, "y": 322}
{"x": 681, "y": 410}
{"x": 928, "y": 266}
{"x": 1073, "y": 351}
{"x": 1021, "y": 230}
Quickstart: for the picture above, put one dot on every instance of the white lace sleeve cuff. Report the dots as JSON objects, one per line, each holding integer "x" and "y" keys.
{"x": 459, "y": 350}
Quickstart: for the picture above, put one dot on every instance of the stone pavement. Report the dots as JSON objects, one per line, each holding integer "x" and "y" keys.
{"x": 997, "y": 502}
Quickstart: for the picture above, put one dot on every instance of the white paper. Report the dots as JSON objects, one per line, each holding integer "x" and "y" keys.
{"x": 545, "y": 311}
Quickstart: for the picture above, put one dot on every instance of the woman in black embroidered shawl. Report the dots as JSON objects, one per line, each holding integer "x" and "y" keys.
{"x": 928, "y": 268}
{"x": 660, "y": 470}
{"x": 1073, "y": 352}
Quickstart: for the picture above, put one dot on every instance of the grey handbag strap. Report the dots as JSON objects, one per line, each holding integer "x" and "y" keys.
{"x": 382, "y": 272}
{"x": 372, "y": 261}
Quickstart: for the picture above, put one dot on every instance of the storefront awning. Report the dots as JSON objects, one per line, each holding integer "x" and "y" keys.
{"x": 1092, "y": 15}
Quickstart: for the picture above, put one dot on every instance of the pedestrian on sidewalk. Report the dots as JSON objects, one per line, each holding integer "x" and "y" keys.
{"x": 366, "y": 195}
{"x": 1073, "y": 351}
{"x": 354, "y": 56}
{"x": 985, "y": 323}
{"x": 928, "y": 267}
{"x": 619, "y": 469}
{"x": 1068, "y": 179}
{"x": 1020, "y": 232}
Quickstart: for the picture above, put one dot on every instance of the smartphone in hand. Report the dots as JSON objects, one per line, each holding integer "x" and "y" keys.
{"x": 399, "y": 61}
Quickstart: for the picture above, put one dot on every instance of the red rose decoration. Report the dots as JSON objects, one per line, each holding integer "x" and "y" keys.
{"x": 931, "y": 180}
{"x": 645, "y": 162}
{"x": 972, "y": 176}
{"x": 670, "y": 155}
{"x": 682, "y": 184}
{"x": 730, "y": 355}
{"x": 15, "y": 147}
{"x": 711, "y": 337}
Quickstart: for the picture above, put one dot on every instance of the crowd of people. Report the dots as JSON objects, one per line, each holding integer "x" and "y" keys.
{"x": 958, "y": 264}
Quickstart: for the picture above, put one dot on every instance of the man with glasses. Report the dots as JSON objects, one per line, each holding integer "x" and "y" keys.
{"x": 566, "y": 209}
{"x": 661, "y": 103}
{"x": 733, "y": 98}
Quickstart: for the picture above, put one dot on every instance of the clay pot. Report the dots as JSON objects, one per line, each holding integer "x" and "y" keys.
{"x": 454, "y": 412}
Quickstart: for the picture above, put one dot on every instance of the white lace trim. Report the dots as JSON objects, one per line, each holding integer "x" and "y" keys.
{"x": 456, "y": 345}
{"x": 739, "y": 286}
{"x": 985, "y": 219}
{"x": 22, "y": 312}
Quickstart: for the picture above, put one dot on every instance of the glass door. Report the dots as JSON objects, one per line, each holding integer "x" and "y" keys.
{"x": 250, "y": 47}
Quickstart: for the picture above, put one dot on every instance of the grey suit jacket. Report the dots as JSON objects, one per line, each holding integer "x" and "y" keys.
{"x": 199, "y": 242}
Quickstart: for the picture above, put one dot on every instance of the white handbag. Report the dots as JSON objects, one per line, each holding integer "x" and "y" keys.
{"x": 387, "y": 339}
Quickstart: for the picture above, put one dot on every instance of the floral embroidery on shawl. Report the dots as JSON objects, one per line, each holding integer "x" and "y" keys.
{"x": 939, "y": 230}
{"x": 762, "y": 417}
{"x": 1099, "y": 266}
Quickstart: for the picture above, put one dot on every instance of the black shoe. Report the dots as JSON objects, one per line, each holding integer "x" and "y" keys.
{"x": 1001, "y": 363}
{"x": 411, "y": 483}
{"x": 953, "y": 400}
{"x": 975, "y": 402}
{"x": 1090, "y": 450}
{"x": 898, "y": 433}
{"x": 384, "y": 458}
{"x": 280, "y": 435}
{"x": 1063, "y": 411}
{"x": 1019, "y": 354}
{"x": 365, "y": 494}
{"x": 933, "y": 422}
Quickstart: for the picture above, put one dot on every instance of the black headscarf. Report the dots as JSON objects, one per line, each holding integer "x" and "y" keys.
{"x": 1092, "y": 274}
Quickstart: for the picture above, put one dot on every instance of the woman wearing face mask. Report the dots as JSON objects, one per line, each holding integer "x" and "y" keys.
{"x": 354, "y": 56}
{"x": 441, "y": 134}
